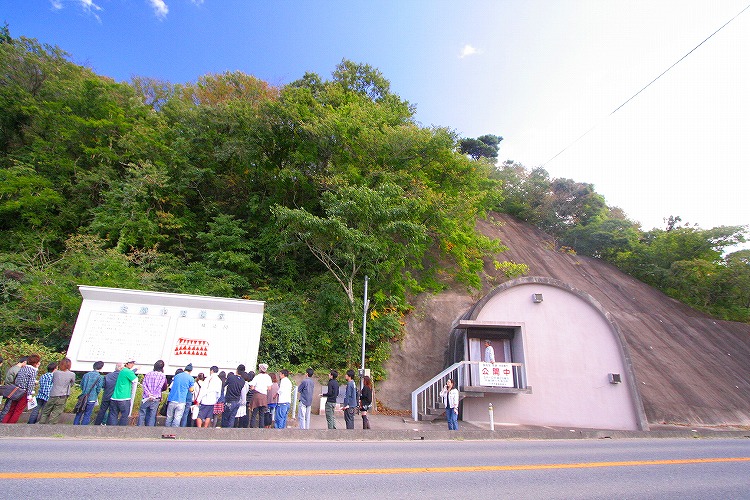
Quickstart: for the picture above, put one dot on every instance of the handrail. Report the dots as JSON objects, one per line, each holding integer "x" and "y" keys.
{"x": 422, "y": 389}
{"x": 431, "y": 389}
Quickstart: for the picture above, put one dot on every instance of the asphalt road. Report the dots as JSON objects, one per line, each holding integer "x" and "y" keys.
{"x": 570, "y": 469}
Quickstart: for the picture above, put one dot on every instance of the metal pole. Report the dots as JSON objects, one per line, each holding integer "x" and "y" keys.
{"x": 366, "y": 304}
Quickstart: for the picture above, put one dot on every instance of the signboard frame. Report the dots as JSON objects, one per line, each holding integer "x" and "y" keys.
{"x": 115, "y": 323}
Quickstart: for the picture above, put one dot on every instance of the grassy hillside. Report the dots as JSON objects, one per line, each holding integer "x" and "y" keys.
{"x": 229, "y": 186}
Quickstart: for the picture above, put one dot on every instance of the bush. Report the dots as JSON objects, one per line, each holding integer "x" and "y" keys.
{"x": 13, "y": 349}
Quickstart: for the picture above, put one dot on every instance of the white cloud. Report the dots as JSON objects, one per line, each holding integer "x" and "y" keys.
{"x": 88, "y": 6}
{"x": 468, "y": 50}
{"x": 160, "y": 8}
{"x": 197, "y": 2}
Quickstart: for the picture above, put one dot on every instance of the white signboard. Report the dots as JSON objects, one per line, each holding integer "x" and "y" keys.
{"x": 496, "y": 374}
{"x": 120, "y": 325}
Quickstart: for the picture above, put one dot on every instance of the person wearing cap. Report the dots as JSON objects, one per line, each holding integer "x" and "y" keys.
{"x": 119, "y": 406}
{"x": 182, "y": 383}
{"x": 208, "y": 397}
{"x": 260, "y": 385}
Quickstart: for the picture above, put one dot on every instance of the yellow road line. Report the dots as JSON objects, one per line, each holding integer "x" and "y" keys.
{"x": 335, "y": 472}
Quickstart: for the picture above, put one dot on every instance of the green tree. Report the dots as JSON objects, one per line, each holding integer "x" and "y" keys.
{"x": 604, "y": 237}
{"x": 738, "y": 276}
{"x": 486, "y": 146}
{"x": 362, "y": 229}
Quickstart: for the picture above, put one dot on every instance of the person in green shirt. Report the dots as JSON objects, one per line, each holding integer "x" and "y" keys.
{"x": 119, "y": 408}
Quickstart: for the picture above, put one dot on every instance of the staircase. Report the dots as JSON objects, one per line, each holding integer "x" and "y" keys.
{"x": 426, "y": 403}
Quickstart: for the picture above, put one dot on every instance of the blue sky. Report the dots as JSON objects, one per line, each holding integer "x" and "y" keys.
{"x": 538, "y": 73}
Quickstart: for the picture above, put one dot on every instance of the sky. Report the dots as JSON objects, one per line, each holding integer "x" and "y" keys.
{"x": 547, "y": 76}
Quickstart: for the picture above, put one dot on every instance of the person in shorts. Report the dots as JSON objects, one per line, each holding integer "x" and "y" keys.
{"x": 208, "y": 398}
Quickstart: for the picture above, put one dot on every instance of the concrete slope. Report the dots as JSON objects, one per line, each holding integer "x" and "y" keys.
{"x": 691, "y": 369}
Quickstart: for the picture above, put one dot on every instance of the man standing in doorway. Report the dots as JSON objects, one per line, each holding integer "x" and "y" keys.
{"x": 489, "y": 352}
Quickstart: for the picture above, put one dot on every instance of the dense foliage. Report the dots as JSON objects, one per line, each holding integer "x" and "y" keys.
{"x": 229, "y": 186}
{"x": 686, "y": 262}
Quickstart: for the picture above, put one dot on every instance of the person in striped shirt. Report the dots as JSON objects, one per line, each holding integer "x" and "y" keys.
{"x": 45, "y": 386}
{"x": 154, "y": 383}
{"x": 26, "y": 380}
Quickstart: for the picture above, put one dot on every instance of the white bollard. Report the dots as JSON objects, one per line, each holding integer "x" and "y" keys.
{"x": 492, "y": 418}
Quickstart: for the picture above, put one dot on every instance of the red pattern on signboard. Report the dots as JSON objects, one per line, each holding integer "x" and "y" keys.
{"x": 191, "y": 347}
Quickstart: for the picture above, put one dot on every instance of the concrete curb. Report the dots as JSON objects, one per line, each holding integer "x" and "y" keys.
{"x": 63, "y": 431}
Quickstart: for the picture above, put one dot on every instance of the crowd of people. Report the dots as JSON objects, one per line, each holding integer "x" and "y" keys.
{"x": 234, "y": 399}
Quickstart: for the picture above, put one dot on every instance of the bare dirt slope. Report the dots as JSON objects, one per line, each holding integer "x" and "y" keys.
{"x": 690, "y": 368}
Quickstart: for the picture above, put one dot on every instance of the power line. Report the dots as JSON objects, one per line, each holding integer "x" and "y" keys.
{"x": 647, "y": 86}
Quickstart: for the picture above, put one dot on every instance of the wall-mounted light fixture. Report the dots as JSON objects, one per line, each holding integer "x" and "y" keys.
{"x": 537, "y": 298}
{"x": 615, "y": 378}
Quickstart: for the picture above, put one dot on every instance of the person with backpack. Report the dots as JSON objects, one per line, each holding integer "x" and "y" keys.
{"x": 91, "y": 383}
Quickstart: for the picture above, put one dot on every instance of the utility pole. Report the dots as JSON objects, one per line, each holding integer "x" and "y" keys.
{"x": 365, "y": 306}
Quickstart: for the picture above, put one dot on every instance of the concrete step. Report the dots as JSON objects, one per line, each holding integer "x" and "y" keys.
{"x": 429, "y": 417}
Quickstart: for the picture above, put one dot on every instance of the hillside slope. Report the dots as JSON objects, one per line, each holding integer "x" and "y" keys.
{"x": 690, "y": 368}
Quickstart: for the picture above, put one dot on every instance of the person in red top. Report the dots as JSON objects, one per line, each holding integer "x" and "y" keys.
{"x": 26, "y": 380}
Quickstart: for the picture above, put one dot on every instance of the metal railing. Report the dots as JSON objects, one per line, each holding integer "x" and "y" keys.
{"x": 428, "y": 394}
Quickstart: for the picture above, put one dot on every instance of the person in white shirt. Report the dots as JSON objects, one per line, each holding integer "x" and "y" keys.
{"x": 208, "y": 397}
{"x": 285, "y": 399}
{"x": 451, "y": 397}
{"x": 260, "y": 385}
{"x": 489, "y": 352}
